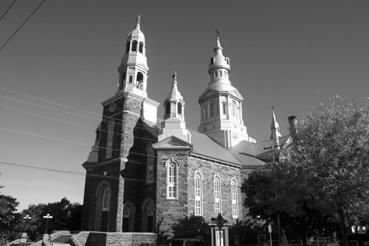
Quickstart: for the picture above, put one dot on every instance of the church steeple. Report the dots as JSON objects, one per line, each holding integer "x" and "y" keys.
{"x": 133, "y": 70}
{"x": 174, "y": 120}
{"x": 275, "y": 131}
{"x": 221, "y": 103}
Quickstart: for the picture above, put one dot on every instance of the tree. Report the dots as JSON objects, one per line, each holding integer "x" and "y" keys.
{"x": 66, "y": 216}
{"x": 8, "y": 216}
{"x": 332, "y": 149}
{"x": 322, "y": 177}
{"x": 193, "y": 226}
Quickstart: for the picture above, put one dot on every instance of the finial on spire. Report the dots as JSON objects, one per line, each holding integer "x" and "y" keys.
{"x": 174, "y": 76}
{"x": 218, "y": 38}
{"x": 138, "y": 21}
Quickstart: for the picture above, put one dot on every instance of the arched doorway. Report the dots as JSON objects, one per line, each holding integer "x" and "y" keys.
{"x": 148, "y": 213}
{"x": 129, "y": 211}
{"x": 103, "y": 196}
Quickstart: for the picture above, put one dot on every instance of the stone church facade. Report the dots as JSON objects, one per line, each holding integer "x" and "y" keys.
{"x": 142, "y": 176}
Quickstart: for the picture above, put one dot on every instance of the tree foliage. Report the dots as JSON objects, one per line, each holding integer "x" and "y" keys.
{"x": 8, "y": 216}
{"x": 323, "y": 173}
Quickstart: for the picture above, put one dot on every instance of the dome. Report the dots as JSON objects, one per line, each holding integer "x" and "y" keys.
{"x": 219, "y": 60}
{"x": 137, "y": 34}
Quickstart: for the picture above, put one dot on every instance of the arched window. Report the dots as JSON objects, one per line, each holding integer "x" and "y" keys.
{"x": 106, "y": 199}
{"x": 139, "y": 80}
{"x": 211, "y": 61}
{"x": 127, "y": 46}
{"x": 179, "y": 108}
{"x": 234, "y": 108}
{"x": 234, "y": 198}
{"x": 148, "y": 208}
{"x": 110, "y": 139}
{"x": 130, "y": 79}
{"x": 141, "y": 47}
{"x": 198, "y": 193}
{"x": 150, "y": 165}
{"x": 227, "y": 60}
{"x": 172, "y": 178}
{"x": 217, "y": 196}
{"x": 103, "y": 196}
{"x": 134, "y": 45}
{"x": 220, "y": 73}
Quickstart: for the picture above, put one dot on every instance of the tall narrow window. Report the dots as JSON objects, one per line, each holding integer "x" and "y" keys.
{"x": 198, "y": 194}
{"x": 211, "y": 109}
{"x": 139, "y": 80}
{"x": 106, "y": 199}
{"x": 127, "y": 46}
{"x": 141, "y": 47}
{"x": 150, "y": 165}
{"x": 234, "y": 198}
{"x": 179, "y": 108}
{"x": 134, "y": 45}
{"x": 217, "y": 196}
{"x": 172, "y": 177}
{"x": 110, "y": 139}
{"x": 167, "y": 108}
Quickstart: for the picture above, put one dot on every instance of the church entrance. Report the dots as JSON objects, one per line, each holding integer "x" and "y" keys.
{"x": 129, "y": 211}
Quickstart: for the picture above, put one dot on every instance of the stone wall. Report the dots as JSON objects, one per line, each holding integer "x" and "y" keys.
{"x": 170, "y": 211}
{"x": 208, "y": 170}
{"x": 86, "y": 238}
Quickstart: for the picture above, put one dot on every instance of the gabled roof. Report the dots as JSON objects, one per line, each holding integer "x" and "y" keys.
{"x": 204, "y": 145}
{"x": 172, "y": 142}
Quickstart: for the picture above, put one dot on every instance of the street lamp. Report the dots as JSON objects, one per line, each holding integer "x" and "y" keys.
{"x": 47, "y": 217}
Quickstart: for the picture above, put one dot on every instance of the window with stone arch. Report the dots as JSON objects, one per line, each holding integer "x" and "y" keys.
{"x": 235, "y": 109}
{"x": 102, "y": 214}
{"x": 198, "y": 193}
{"x": 211, "y": 108}
{"x": 150, "y": 178}
{"x": 217, "y": 195}
{"x": 234, "y": 198}
{"x": 110, "y": 139}
{"x": 106, "y": 199}
{"x": 172, "y": 178}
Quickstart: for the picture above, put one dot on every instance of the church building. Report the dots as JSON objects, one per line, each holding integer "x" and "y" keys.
{"x": 145, "y": 176}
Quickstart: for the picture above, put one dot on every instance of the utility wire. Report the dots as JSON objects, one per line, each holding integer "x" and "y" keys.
{"x": 97, "y": 116}
{"x": 7, "y": 10}
{"x": 21, "y": 25}
{"x": 48, "y": 101}
{"x": 66, "y": 121}
{"x": 6, "y": 163}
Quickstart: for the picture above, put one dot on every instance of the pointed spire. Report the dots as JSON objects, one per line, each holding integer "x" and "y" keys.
{"x": 218, "y": 45}
{"x": 275, "y": 128}
{"x": 138, "y": 21}
{"x": 175, "y": 94}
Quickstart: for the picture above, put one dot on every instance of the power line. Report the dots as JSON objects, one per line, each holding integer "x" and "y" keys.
{"x": 64, "y": 121}
{"x": 48, "y": 101}
{"x": 21, "y": 25}
{"x": 7, "y": 10}
{"x": 54, "y": 170}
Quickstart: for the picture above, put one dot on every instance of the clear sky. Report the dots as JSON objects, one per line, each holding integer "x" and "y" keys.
{"x": 287, "y": 54}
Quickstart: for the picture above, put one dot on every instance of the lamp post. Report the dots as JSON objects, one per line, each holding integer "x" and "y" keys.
{"x": 47, "y": 217}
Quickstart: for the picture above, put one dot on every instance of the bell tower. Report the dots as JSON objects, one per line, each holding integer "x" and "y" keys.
{"x": 133, "y": 70}
{"x": 174, "y": 118}
{"x": 221, "y": 104}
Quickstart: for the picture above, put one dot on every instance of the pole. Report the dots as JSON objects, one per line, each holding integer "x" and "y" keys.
{"x": 47, "y": 217}
{"x": 279, "y": 229}
{"x": 270, "y": 235}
